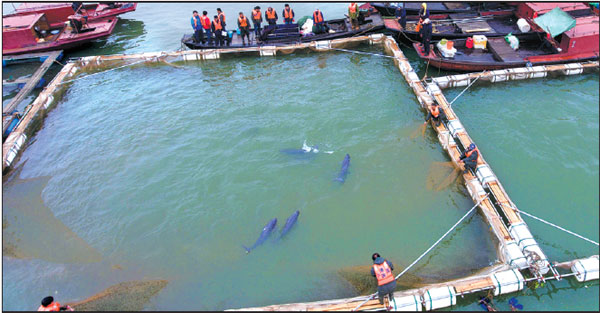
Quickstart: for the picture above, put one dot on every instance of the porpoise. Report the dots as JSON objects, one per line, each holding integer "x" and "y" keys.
{"x": 289, "y": 223}
{"x": 344, "y": 170}
{"x": 263, "y": 235}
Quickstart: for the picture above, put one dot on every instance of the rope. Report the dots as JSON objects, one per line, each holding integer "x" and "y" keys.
{"x": 471, "y": 84}
{"x": 68, "y": 81}
{"x": 361, "y": 52}
{"x": 556, "y": 226}
{"x": 430, "y": 248}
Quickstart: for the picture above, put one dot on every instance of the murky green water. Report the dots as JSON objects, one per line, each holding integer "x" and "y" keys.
{"x": 166, "y": 172}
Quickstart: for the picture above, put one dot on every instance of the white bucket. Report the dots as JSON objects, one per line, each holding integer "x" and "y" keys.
{"x": 524, "y": 27}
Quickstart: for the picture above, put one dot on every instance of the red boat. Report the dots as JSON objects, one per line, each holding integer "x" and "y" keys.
{"x": 33, "y": 33}
{"x": 577, "y": 44}
{"x": 58, "y": 13}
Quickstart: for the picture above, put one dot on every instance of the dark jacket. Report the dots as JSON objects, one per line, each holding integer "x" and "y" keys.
{"x": 271, "y": 19}
{"x": 380, "y": 260}
{"x": 198, "y": 25}
{"x": 472, "y": 158}
{"x": 248, "y": 23}
{"x": 285, "y": 19}
{"x": 400, "y": 12}
{"x": 429, "y": 115}
{"x": 423, "y": 14}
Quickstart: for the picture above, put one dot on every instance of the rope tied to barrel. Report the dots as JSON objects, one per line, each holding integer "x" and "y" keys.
{"x": 112, "y": 69}
{"x": 430, "y": 248}
{"x": 470, "y": 84}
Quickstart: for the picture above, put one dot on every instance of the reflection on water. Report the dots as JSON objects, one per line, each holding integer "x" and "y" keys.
{"x": 30, "y": 229}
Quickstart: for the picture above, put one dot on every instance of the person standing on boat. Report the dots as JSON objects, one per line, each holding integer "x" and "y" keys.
{"x": 353, "y": 15}
{"x": 256, "y": 20}
{"x": 470, "y": 157}
{"x": 319, "y": 21}
{"x": 244, "y": 26}
{"x": 386, "y": 282}
{"x": 401, "y": 16}
{"x": 288, "y": 14}
{"x": 271, "y": 16}
{"x": 197, "y": 26}
{"x": 217, "y": 28}
{"x": 222, "y": 18}
{"x": 426, "y": 31}
{"x": 205, "y": 21}
{"x": 436, "y": 114}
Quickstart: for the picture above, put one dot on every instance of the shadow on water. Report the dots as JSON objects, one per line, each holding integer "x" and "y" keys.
{"x": 30, "y": 229}
{"x": 126, "y": 296}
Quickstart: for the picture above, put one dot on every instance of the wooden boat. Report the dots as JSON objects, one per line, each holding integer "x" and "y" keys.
{"x": 576, "y": 45}
{"x": 282, "y": 34}
{"x": 58, "y": 13}
{"x": 33, "y": 33}
{"x": 439, "y": 9}
{"x": 461, "y": 26}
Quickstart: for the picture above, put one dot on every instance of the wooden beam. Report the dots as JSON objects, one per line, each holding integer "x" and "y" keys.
{"x": 32, "y": 82}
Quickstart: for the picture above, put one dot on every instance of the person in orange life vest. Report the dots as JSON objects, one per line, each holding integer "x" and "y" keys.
{"x": 217, "y": 28}
{"x": 353, "y": 14}
{"x": 288, "y": 14}
{"x": 48, "y": 304}
{"x": 386, "y": 282}
{"x": 244, "y": 26}
{"x": 271, "y": 16}
{"x": 469, "y": 158}
{"x": 435, "y": 113}
{"x": 319, "y": 22}
{"x": 205, "y": 21}
{"x": 222, "y": 18}
{"x": 256, "y": 20}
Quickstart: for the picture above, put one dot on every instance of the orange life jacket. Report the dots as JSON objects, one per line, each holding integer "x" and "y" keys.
{"x": 435, "y": 111}
{"x": 243, "y": 21}
{"x": 222, "y": 16}
{"x": 256, "y": 15}
{"x": 353, "y": 7}
{"x": 54, "y": 306}
{"x": 318, "y": 17}
{"x": 288, "y": 14}
{"x": 270, "y": 15}
{"x": 218, "y": 25}
{"x": 383, "y": 273}
{"x": 205, "y": 21}
{"x": 468, "y": 153}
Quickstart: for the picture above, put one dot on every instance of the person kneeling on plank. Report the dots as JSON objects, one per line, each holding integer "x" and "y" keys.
{"x": 470, "y": 157}
{"x": 386, "y": 282}
{"x": 244, "y": 27}
{"x": 48, "y": 304}
{"x": 436, "y": 114}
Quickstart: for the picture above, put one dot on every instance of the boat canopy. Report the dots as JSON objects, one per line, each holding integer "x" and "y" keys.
{"x": 555, "y": 22}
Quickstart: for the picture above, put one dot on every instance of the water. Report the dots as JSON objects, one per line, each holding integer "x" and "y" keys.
{"x": 166, "y": 172}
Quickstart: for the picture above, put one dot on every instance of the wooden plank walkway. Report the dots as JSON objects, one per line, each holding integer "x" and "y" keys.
{"x": 33, "y": 81}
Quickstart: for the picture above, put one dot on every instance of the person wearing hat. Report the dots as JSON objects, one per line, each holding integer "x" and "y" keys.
{"x": 48, "y": 304}
{"x": 426, "y": 32}
{"x": 244, "y": 26}
{"x": 469, "y": 157}
{"x": 386, "y": 282}
{"x": 256, "y": 20}
{"x": 435, "y": 113}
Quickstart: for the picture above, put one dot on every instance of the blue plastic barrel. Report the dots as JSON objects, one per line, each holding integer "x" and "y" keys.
{"x": 11, "y": 127}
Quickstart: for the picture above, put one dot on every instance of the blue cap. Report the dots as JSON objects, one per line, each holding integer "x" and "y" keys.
{"x": 472, "y": 146}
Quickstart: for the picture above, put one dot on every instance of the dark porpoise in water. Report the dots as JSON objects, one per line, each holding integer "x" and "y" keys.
{"x": 302, "y": 151}
{"x": 289, "y": 223}
{"x": 344, "y": 170}
{"x": 263, "y": 235}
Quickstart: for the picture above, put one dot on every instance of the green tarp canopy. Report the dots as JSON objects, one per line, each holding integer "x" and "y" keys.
{"x": 555, "y": 22}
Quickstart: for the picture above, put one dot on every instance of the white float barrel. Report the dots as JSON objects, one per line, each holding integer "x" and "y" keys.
{"x": 507, "y": 281}
{"x": 406, "y": 303}
{"x": 524, "y": 27}
{"x": 441, "y": 297}
{"x": 586, "y": 269}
